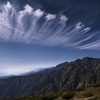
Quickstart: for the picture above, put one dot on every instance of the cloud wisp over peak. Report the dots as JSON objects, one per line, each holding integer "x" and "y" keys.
{"x": 38, "y": 27}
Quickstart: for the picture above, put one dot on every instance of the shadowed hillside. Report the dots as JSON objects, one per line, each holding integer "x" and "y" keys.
{"x": 80, "y": 73}
{"x": 85, "y": 93}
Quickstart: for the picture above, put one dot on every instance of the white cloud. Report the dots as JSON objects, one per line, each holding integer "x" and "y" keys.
{"x": 25, "y": 26}
{"x": 10, "y": 27}
{"x": 79, "y": 25}
{"x": 50, "y": 16}
{"x": 28, "y": 9}
{"x": 8, "y": 5}
{"x": 64, "y": 18}
{"x": 38, "y": 13}
{"x": 14, "y": 70}
{"x": 93, "y": 45}
{"x": 87, "y": 29}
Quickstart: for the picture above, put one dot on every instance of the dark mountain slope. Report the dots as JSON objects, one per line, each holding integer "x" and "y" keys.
{"x": 58, "y": 67}
{"x": 80, "y": 73}
{"x": 70, "y": 77}
{"x": 89, "y": 63}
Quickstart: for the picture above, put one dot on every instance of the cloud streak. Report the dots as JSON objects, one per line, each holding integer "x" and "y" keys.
{"x": 40, "y": 28}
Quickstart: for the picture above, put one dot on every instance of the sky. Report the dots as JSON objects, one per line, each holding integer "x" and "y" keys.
{"x": 44, "y": 33}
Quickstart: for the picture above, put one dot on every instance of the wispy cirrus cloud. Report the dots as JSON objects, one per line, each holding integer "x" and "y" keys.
{"x": 50, "y": 16}
{"x": 93, "y": 45}
{"x": 38, "y": 27}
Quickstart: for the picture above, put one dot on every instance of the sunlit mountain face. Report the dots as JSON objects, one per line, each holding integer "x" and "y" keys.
{"x": 47, "y": 32}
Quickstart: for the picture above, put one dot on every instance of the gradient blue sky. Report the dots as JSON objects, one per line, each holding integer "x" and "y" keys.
{"x": 43, "y": 33}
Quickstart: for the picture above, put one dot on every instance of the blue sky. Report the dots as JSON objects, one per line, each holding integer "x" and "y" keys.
{"x": 39, "y": 34}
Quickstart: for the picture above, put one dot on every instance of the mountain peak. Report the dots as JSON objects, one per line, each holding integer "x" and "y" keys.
{"x": 88, "y": 58}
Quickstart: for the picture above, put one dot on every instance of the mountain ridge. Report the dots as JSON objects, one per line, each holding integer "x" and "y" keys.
{"x": 71, "y": 76}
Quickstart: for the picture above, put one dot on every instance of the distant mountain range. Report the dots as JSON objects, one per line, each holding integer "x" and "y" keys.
{"x": 80, "y": 73}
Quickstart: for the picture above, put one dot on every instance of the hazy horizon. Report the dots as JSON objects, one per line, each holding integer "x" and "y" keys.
{"x": 44, "y": 33}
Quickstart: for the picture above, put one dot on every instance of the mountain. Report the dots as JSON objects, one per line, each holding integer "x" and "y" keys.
{"x": 80, "y": 73}
{"x": 2, "y": 77}
{"x": 58, "y": 67}
{"x": 85, "y": 93}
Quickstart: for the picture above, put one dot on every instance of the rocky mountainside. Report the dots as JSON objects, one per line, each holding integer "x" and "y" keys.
{"x": 80, "y": 73}
{"x": 58, "y": 67}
